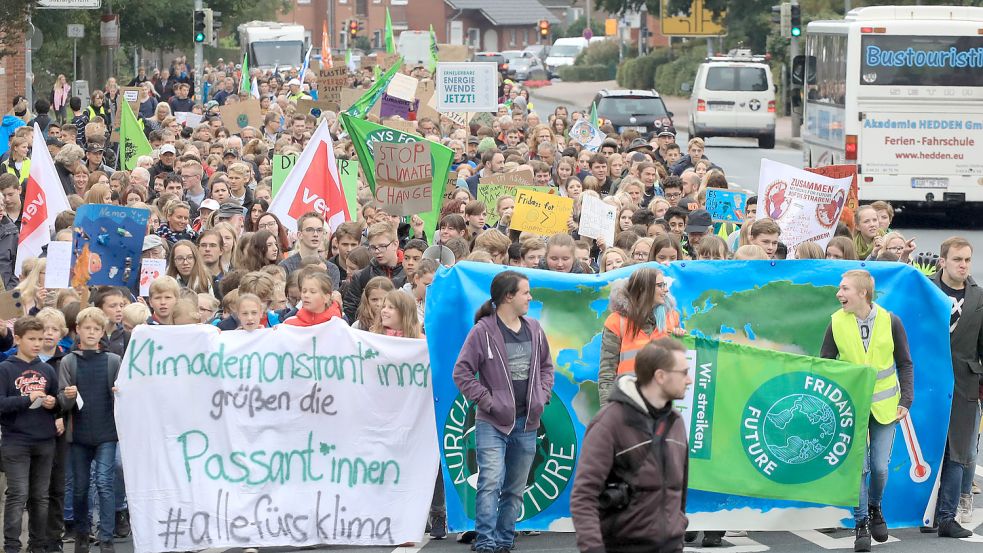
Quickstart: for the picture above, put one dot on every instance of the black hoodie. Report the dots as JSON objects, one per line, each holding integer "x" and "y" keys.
{"x": 20, "y": 424}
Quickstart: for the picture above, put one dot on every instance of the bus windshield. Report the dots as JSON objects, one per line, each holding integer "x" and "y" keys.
{"x": 269, "y": 54}
{"x": 894, "y": 60}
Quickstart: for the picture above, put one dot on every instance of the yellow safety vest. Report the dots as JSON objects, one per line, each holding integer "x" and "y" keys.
{"x": 25, "y": 169}
{"x": 879, "y": 355}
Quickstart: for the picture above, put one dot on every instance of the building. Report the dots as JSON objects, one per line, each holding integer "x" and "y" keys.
{"x": 484, "y": 25}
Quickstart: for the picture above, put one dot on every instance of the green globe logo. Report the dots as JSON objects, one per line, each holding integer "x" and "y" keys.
{"x": 552, "y": 468}
{"x": 797, "y": 427}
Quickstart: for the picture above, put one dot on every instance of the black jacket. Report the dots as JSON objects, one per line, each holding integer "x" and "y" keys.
{"x": 353, "y": 294}
{"x": 19, "y": 423}
{"x": 8, "y": 252}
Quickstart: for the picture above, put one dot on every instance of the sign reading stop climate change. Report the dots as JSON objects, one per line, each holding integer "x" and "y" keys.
{"x": 467, "y": 87}
{"x": 286, "y": 436}
{"x": 404, "y": 177}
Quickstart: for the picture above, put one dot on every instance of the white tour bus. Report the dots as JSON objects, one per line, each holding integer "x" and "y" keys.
{"x": 898, "y": 90}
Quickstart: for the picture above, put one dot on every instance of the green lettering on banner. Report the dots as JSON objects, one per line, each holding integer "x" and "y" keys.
{"x": 347, "y": 169}
{"x": 282, "y": 164}
{"x": 705, "y": 384}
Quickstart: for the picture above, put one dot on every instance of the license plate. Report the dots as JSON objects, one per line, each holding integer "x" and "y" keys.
{"x": 633, "y": 128}
{"x": 721, "y": 107}
{"x": 929, "y": 182}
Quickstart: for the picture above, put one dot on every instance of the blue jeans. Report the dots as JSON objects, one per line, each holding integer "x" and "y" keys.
{"x": 504, "y": 461}
{"x": 104, "y": 457}
{"x": 877, "y": 458}
{"x": 956, "y": 479}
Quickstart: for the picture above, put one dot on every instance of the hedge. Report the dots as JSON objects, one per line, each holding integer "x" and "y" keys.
{"x": 577, "y": 73}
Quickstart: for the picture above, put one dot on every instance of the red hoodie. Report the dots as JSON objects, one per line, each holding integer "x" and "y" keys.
{"x": 307, "y": 318}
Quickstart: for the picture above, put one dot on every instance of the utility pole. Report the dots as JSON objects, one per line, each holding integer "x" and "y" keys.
{"x": 587, "y": 15}
{"x": 28, "y": 64}
{"x": 793, "y": 52}
{"x": 199, "y": 63}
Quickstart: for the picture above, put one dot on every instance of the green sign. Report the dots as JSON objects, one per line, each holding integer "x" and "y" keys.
{"x": 347, "y": 169}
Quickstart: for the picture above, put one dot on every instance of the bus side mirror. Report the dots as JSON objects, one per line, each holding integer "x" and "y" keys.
{"x": 803, "y": 70}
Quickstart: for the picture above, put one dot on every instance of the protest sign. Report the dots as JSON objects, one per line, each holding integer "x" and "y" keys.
{"x": 727, "y": 206}
{"x": 287, "y": 436}
{"x": 282, "y": 164}
{"x": 401, "y": 125}
{"x": 58, "y": 270}
{"x": 459, "y": 118}
{"x": 453, "y": 52}
{"x": 391, "y": 106}
{"x": 386, "y": 61}
{"x": 107, "y": 244}
{"x": 317, "y": 107}
{"x": 403, "y": 87}
{"x": 489, "y": 194}
{"x": 805, "y": 205}
{"x": 598, "y": 220}
{"x": 330, "y": 82}
{"x": 586, "y": 135}
{"x": 150, "y": 270}
{"x": 853, "y": 198}
{"x": 404, "y": 177}
{"x": 471, "y": 86}
{"x": 241, "y": 114}
{"x": 426, "y": 100}
{"x": 543, "y": 214}
{"x": 132, "y": 96}
{"x": 524, "y": 177}
{"x": 740, "y": 302}
{"x": 349, "y": 96}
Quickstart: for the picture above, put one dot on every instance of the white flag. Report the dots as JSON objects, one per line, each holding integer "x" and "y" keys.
{"x": 44, "y": 199}
{"x": 313, "y": 185}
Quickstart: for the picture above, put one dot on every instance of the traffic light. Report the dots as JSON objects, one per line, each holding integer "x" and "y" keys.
{"x": 216, "y": 24}
{"x": 796, "y": 21}
{"x": 544, "y": 28}
{"x": 199, "y": 26}
{"x": 353, "y": 28}
{"x": 781, "y": 15}
{"x": 361, "y": 26}
{"x": 209, "y": 29}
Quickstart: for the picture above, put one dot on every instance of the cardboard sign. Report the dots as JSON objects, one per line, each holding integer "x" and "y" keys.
{"x": 401, "y": 125}
{"x": 543, "y": 214}
{"x": 242, "y": 114}
{"x": 391, "y": 106}
{"x": 489, "y": 194}
{"x": 132, "y": 96}
{"x": 402, "y": 87}
{"x": 316, "y": 107}
{"x": 467, "y": 86}
{"x": 151, "y": 270}
{"x": 330, "y": 82}
{"x": 524, "y": 177}
{"x": 350, "y": 95}
{"x": 726, "y": 206}
{"x": 453, "y": 52}
{"x": 11, "y": 306}
{"x": 188, "y": 119}
{"x": 107, "y": 244}
{"x": 404, "y": 177}
{"x": 385, "y": 61}
{"x": 459, "y": 118}
{"x": 598, "y": 220}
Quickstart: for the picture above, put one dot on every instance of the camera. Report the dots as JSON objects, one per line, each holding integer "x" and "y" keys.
{"x": 615, "y": 497}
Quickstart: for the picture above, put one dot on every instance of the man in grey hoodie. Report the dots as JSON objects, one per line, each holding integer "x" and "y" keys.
{"x": 505, "y": 369}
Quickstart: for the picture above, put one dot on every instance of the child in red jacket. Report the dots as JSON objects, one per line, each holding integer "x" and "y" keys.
{"x": 317, "y": 301}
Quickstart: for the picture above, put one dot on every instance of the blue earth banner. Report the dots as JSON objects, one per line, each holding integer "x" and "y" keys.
{"x": 779, "y": 305}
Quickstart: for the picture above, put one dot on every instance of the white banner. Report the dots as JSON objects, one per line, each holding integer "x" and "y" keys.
{"x": 805, "y": 205}
{"x": 287, "y": 436}
{"x": 470, "y": 86}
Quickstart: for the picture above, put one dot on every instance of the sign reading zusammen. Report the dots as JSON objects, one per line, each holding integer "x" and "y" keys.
{"x": 278, "y": 437}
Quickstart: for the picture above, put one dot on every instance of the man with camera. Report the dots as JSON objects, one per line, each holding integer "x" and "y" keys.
{"x": 629, "y": 494}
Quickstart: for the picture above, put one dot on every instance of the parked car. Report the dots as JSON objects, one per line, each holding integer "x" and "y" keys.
{"x": 525, "y": 65}
{"x": 641, "y": 110}
{"x": 541, "y": 51}
{"x": 497, "y": 57}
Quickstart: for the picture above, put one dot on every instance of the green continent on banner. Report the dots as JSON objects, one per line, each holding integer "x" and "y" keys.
{"x": 788, "y": 427}
{"x": 552, "y": 467}
{"x": 365, "y": 134}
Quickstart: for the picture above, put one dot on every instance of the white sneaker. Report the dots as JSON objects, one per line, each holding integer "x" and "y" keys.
{"x": 964, "y": 513}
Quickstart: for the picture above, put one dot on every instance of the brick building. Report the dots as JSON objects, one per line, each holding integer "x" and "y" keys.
{"x": 12, "y": 79}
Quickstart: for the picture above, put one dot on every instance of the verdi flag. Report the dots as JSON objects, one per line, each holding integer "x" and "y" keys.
{"x": 362, "y": 106}
{"x": 244, "y": 82}
{"x": 365, "y": 134}
{"x": 133, "y": 143}
{"x": 775, "y": 425}
{"x": 390, "y": 43}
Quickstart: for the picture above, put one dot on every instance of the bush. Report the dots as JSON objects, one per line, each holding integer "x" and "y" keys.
{"x": 586, "y": 72}
{"x": 604, "y": 52}
{"x": 662, "y": 69}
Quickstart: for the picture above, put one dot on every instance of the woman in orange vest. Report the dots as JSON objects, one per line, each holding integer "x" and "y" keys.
{"x": 641, "y": 311}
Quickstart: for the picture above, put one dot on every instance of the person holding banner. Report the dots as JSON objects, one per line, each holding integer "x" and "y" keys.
{"x": 641, "y": 311}
{"x": 865, "y": 333}
{"x": 506, "y": 369}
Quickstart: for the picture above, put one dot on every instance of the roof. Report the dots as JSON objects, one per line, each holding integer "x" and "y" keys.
{"x": 507, "y": 12}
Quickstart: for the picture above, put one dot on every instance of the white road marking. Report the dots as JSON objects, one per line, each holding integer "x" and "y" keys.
{"x": 831, "y": 543}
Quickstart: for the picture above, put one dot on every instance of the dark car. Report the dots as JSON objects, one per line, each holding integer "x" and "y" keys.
{"x": 498, "y": 58}
{"x": 641, "y": 110}
{"x": 525, "y": 65}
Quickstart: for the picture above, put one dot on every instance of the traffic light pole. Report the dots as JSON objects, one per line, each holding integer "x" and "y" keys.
{"x": 199, "y": 64}
{"x": 793, "y": 50}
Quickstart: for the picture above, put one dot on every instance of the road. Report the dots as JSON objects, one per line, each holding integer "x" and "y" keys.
{"x": 740, "y": 158}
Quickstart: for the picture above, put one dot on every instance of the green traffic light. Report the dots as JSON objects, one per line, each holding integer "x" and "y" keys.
{"x": 199, "y": 37}
{"x": 796, "y": 31}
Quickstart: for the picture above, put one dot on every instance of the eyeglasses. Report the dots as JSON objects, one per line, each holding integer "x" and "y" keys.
{"x": 184, "y": 259}
{"x": 661, "y": 285}
{"x": 268, "y": 226}
{"x": 895, "y": 249}
{"x": 681, "y": 371}
{"x": 314, "y": 230}
{"x": 381, "y": 247}
{"x": 674, "y": 195}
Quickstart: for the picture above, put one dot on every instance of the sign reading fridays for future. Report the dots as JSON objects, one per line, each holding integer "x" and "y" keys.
{"x": 285, "y": 436}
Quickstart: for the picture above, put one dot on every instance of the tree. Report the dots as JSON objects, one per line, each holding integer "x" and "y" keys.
{"x": 13, "y": 23}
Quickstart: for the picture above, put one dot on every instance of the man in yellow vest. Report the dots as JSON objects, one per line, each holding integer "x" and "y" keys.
{"x": 865, "y": 333}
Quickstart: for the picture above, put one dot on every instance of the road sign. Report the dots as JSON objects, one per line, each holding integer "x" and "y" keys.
{"x": 109, "y": 30}
{"x": 610, "y": 27}
{"x": 70, "y": 4}
{"x": 588, "y": 33}
{"x": 76, "y": 30}
{"x": 698, "y": 23}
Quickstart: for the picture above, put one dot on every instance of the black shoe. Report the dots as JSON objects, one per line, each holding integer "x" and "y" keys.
{"x": 81, "y": 543}
{"x": 878, "y": 528}
{"x": 690, "y": 537}
{"x": 713, "y": 539}
{"x": 862, "y": 541}
{"x": 952, "y": 529}
{"x": 122, "y": 524}
{"x": 438, "y": 526}
{"x": 933, "y": 529}
{"x": 107, "y": 547}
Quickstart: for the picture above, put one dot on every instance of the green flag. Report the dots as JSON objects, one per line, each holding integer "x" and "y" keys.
{"x": 376, "y": 72}
{"x": 390, "y": 43}
{"x": 362, "y": 106}
{"x": 133, "y": 143}
{"x": 432, "y": 63}
{"x": 365, "y": 133}
{"x": 776, "y": 425}
{"x": 244, "y": 81}
{"x": 593, "y": 115}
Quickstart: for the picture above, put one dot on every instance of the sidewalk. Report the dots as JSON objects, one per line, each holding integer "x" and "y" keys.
{"x": 578, "y": 96}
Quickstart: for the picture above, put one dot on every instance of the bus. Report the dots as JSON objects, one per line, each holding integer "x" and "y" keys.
{"x": 898, "y": 90}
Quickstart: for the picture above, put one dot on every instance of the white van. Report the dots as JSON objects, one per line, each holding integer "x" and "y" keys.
{"x": 734, "y": 95}
{"x": 563, "y": 52}
{"x": 414, "y": 46}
